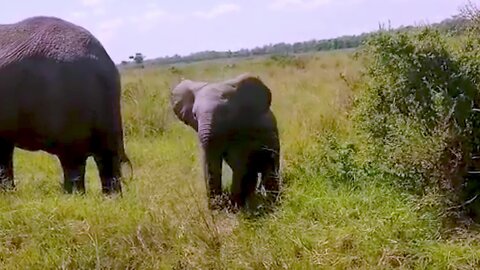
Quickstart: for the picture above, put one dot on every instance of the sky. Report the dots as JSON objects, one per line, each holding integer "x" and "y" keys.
{"x": 161, "y": 28}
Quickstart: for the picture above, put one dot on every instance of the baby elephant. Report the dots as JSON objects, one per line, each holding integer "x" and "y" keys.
{"x": 234, "y": 123}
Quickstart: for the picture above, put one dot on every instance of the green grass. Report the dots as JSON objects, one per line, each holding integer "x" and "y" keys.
{"x": 162, "y": 221}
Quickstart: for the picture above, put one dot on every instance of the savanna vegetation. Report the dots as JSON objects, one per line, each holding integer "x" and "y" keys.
{"x": 375, "y": 148}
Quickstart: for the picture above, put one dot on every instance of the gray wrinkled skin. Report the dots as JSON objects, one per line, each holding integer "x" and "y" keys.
{"x": 234, "y": 123}
{"x": 60, "y": 93}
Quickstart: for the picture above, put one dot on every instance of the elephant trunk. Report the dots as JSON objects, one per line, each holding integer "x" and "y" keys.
{"x": 212, "y": 159}
{"x": 205, "y": 131}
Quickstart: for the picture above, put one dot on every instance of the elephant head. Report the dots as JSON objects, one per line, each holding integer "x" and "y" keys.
{"x": 201, "y": 104}
{"x": 183, "y": 98}
{"x": 234, "y": 122}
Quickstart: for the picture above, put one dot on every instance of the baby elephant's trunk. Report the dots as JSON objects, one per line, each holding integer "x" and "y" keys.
{"x": 205, "y": 131}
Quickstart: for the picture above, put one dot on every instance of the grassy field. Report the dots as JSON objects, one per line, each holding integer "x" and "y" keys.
{"x": 162, "y": 221}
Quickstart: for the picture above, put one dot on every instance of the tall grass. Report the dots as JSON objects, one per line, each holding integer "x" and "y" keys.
{"x": 330, "y": 216}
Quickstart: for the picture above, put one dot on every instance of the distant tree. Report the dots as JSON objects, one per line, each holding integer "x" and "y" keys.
{"x": 470, "y": 13}
{"x": 138, "y": 58}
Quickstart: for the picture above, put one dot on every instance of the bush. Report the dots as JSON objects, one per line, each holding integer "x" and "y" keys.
{"x": 415, "y": 107}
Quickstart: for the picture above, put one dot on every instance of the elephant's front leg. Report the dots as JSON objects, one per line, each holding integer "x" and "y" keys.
{"x": 212, "y": 170}
{"x": 6, "y": 166}
{"x": 244, "y": 183}
{"x": 244, "y": 178}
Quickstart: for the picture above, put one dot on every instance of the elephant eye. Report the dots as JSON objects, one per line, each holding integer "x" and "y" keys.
{"x": 194, "y": 115}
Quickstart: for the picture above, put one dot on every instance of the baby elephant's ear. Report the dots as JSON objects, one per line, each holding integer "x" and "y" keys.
{"x": 182, "y": 99}
{"x": 251, "y": 93}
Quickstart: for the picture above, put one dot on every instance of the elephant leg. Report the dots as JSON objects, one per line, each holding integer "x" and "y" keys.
{"x": 236, "y": 189}
{"x": 249, "y": 184}
{"x": 6, "y": 166}
{"x": 245, "y": 174}
{"x": 212, "y": 169}
{"x": 271, "y": 181}
{"x": 271, "y": 177}
{"x": 109, "y": 167}
{"x": 244, "y": 183}
{"x": 73, "y": 172}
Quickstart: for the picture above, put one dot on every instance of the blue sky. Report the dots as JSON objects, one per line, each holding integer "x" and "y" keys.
{"x": 159, "y": 28}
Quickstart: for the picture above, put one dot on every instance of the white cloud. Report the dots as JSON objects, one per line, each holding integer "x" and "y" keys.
{"x": 298, "y": 4}
{"x": 152, "y": 17}
{"x": 107, "y": 30}
{"x": 96, "y": 7}
{"x": 111, "y": 24}
{"x": 98, "y": 11}
{"x": 155, "y": 14}
{"x": 217, "y": 11}
{"x": 78, "y": 14}
{"x": 92, "y": 3}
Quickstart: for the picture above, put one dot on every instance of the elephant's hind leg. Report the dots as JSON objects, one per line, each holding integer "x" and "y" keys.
{"x": 271, "y": 179}
{"x": 271, "y": 183}
{"x": 106, "y": 147}
{"x": 6, "y": 166}
{"x": 109, "y": 167}
{"x": 73, "y": 165}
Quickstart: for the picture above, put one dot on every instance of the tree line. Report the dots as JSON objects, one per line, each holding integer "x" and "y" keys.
{"x": 454, "y": 25}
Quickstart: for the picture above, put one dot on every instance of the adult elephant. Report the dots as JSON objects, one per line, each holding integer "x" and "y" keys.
{"x": 60, "y": 93}
{"x": 234, "y": 123}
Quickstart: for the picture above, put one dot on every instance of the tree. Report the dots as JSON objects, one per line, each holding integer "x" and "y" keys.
{"x": 138, "y": 58}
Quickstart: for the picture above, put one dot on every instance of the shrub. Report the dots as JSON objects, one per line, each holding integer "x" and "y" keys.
{"x": 415, "y": 107}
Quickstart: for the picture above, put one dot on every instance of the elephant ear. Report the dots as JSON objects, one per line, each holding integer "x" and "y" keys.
{"x": 250, "y": 93}
{"x": 182, "y": 99}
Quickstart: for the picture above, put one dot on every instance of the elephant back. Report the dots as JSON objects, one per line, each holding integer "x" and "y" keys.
{"x": 47, "y": 37}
